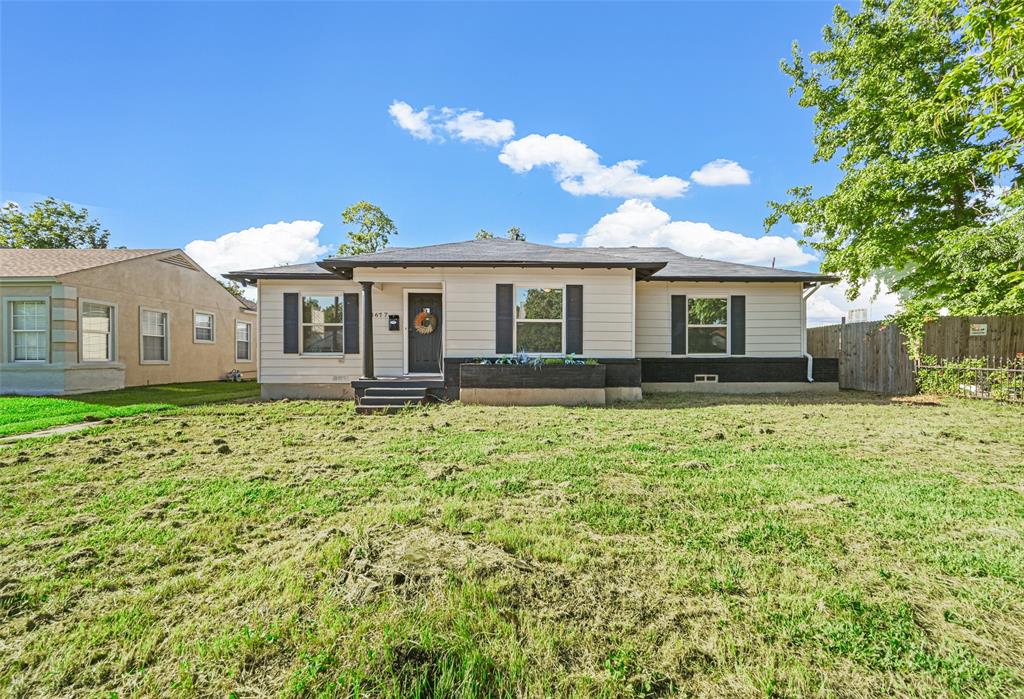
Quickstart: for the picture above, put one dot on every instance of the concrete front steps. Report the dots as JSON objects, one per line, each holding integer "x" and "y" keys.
{"x": 386, "y": 396}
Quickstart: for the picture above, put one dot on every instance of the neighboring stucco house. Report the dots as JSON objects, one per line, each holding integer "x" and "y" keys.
{"x": 655, "y": 319}
{"x": 94, "y": 320}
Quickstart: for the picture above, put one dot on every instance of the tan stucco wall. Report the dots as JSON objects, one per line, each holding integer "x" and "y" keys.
{"x": 153, "y": 284}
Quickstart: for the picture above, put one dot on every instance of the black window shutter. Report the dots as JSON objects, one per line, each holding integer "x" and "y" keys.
{"x": 574, "y": 319}
{"x": 503, "y": 319}
{"x": 678, "y": 325}
{"x": 351, "y": 314}
{"x": 738, "y": 323}
{"x": 291, "y": 323}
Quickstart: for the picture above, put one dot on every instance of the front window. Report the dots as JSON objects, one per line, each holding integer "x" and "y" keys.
{"x": 243, "y": 340}
{"x": 539, "y": 314}
{"x": 97, "y": 332}
{"x": 323, "y": 324}
{"x": 154, "y": 336}
{"x": 203, "y": 326}
{"x": 30, "y": 325}
{"x": 707, "y": 329}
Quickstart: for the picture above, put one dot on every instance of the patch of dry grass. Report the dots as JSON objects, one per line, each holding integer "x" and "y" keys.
{"x": 843, "y": 546}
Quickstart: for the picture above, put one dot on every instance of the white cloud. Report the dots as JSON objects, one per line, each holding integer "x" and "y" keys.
{"x": 416, "y": 123}
{"x": 464, "y": 124}
{"x": 579, "y": 171}
{"x": 721, "y": 172}
{"x": 566, "y": 238}
{"x": 829, "y": 304}
{"x": 281, "y": 243}
{"x": 474, "y": 126}
{"x": 638, "y": 222}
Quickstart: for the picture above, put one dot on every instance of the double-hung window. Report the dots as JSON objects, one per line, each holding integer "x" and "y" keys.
{"x": 154, "y": 330}
{"x": 323, "y": 324}
{"x": 202, "y": 326}
{"x": 97, "y": 325}
{"x": 707, "y": 325}
{"x": 30, "y": 330}
{"x": 540, "y": 320}
{"x": 243, "y": 341}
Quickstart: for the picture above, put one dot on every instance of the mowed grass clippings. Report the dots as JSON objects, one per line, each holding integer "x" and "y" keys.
{"x": 23, "y": 414}
{"x": 684, "y": 546}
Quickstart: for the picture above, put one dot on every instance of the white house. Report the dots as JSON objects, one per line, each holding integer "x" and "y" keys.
{"x": 654, "y": 320}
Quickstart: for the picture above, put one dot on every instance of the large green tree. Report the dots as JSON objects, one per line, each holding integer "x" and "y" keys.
{"x": 922, "y": 201}
{"x": 50, "y": 223}
{"x": 374, "y": 229}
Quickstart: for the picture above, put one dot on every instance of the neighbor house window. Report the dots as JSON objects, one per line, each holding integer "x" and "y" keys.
{"x": 243, "y": 341}
{"x": 202, "y": 326}
{"x": 707, "y": 329}
{"x": 539, "y": 315}
{"x": 323, "y": 324}
{"x": 97, "y": 324}
{"x": 30, "y": 331}
{"x": 154, "y": 329}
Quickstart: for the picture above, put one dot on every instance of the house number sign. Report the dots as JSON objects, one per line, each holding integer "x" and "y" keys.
{"x": 978, "y": 329}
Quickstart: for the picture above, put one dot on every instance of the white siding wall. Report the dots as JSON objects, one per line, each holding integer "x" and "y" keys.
{"x": 774, "y": 312}
{"x": 468, "y": 316}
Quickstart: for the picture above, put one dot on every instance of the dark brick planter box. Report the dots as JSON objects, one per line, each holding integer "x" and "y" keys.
{"x": 525, "y": 376}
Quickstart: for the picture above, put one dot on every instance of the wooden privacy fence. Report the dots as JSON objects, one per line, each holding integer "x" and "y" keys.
{"x": 997, "y": 337}
{"x": 874, "y": 357}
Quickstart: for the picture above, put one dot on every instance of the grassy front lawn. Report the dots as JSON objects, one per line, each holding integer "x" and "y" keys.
{"x": 19, "y": 414}
{"x": 820, "y": 546}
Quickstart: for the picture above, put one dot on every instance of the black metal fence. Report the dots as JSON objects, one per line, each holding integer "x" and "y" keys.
{"x": 973, "y": 377}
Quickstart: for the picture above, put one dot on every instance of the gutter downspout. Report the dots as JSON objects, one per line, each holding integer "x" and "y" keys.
{"x": 803, "y": 339}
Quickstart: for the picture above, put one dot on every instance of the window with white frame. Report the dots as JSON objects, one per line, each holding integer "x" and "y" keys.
{"x": 154, "y": 330}
{"x": 707, "y": 325}
{"x": 30, "y": 330}
{"x": 540, "y": 327}
{"x": 323, "y": 324}
{"x": 243, "y": 341}
{"x": 97, "y": 325}
{"x": 202, "y": 326}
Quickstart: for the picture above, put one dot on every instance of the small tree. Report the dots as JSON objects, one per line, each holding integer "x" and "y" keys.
{"x": 233, "y": 287}
{"x": 484, "y": 234}
{"x": 50, "y": 224}
{"x": 515, "y": 234}
{"x": 374, "y": 232}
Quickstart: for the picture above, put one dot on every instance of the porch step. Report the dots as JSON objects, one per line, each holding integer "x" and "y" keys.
{"x": 391, "y": 395}
{"x": 381, "y": 400}
{"x": 397, "y": 391}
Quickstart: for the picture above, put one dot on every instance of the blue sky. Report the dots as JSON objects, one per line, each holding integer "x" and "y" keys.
{"x": 188, "y": 121}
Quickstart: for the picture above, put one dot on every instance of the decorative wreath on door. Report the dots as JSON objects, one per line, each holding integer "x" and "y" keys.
{"x": 425, "y": 322}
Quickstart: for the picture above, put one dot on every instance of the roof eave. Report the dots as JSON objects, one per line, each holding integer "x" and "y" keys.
{"x": 252, "y": 277}
{"x": 745, "y": 278}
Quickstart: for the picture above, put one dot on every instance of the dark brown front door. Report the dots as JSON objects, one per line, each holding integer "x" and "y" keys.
{"x": 424, "y": 334}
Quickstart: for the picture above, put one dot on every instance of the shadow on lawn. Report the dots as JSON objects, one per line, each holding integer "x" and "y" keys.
{"x": 662, "y": 401}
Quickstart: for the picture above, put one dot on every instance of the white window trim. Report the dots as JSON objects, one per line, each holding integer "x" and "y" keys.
{"x": 167, "y": 336}
{"x": 9, "y": 329}
{"x": 249, "y": 323}
{"x": 728, "y": 325}
{"x": 516, "y": 321}
{"x": 111, "y": 340}
{"x": 302, "y": 335}
{"x": 213, "y": 327}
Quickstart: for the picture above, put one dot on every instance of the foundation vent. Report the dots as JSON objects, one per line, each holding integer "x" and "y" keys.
{"x": 181, "y": 261}
{"x": 705, "y": 378}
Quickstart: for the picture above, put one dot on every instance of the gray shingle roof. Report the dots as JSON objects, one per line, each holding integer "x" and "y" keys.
{"x": 491, "y": 252}
{"x": 682, "y": 267}
{"x": 306, "y": 270}
{"x": 651, "y": 263}
{"x": 52, "y": 262}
